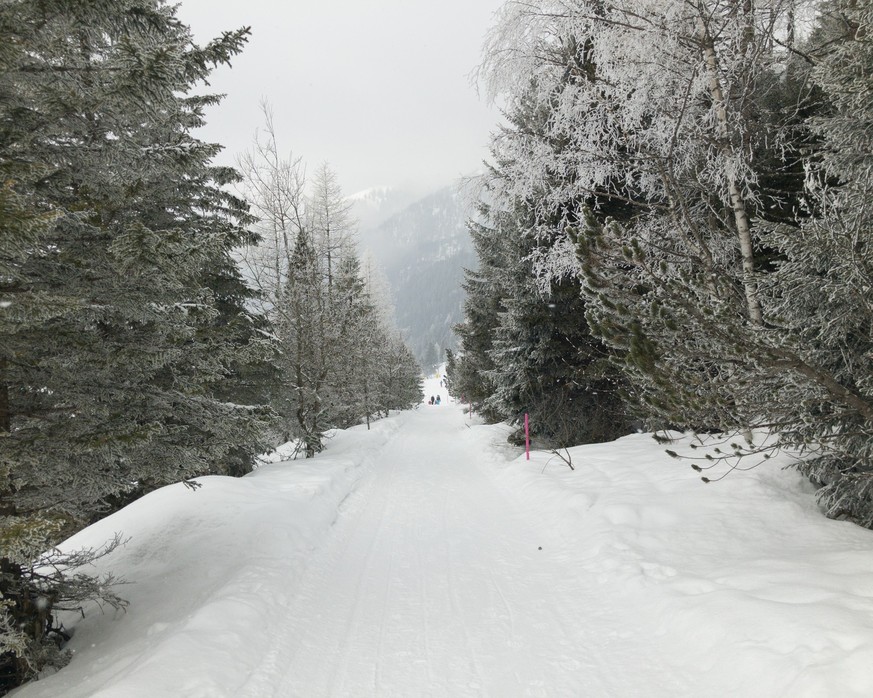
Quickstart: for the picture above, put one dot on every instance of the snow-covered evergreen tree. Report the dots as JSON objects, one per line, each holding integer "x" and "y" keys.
{"x": 470, "y": 372}
{"x": 821, "y": 289}
{"x": 354, "y": 328}
{"x": 398, "y": 377}
{"x": 301, "y": 328}
{"x": 121, "y": 310}
{"x": 529, "y": 333}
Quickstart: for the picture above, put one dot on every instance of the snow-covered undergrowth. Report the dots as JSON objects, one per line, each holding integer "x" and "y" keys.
{"x": 661, "y": 585}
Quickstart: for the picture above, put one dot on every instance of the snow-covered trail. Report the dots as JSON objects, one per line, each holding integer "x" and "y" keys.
{"x": 426, "y": 558}
{"x": 434, "y": 583}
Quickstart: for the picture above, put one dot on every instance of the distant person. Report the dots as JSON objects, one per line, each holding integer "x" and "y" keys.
{"x": 431, "y": 401}
{"x": 437, "y": 399}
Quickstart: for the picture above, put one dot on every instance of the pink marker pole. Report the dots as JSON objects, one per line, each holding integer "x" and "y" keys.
{"x": 527, "y": 435}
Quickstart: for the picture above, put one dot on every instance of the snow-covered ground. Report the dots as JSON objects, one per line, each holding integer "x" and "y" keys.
{"x": 426, "y": 557}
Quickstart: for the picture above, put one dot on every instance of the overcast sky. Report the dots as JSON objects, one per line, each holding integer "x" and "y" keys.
{"x": 379, "y": 89}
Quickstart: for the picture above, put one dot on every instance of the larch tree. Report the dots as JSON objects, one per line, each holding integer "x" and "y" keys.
{"x": 330, "y": 220}
{"x": 329, "y": 331}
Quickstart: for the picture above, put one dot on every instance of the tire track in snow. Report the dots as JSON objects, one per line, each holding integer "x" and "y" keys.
{"x": 268, "y": 678}
{"x": 432, "y": 585}
{"x": 375, "y": 509}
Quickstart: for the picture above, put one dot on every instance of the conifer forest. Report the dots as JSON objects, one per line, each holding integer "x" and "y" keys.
{"x": 674, "y": 232}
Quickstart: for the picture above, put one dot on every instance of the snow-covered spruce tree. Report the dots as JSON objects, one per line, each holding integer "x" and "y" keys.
{"x": 374, "y": 371}
{"x": 547, "y": 364}
{"x": 388, "y": 365}
{"x": 821, "y": 290}
{"x": 301, "y": 324}
{"x": 112, "y": 338}
{"x": 546, "y": 361}
{"x": 397, "y": 374}
{"x": 355, "y": 327}
{"x": 470, "y": 373}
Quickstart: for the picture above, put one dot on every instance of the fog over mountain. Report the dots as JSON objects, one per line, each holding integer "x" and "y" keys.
{"x": 423, "y": 249}
{"x": 372, "y": 207}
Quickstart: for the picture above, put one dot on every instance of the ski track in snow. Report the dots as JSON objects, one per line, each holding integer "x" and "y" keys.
{"x": 425, "y": 558}
{"x": 433, "y": 584}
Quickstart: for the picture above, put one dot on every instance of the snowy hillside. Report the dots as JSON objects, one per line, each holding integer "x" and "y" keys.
{"x": 428, "y": 558}
{"x": 423, "y": 250}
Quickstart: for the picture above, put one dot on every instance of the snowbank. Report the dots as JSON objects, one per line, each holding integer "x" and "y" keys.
{"x": 746, "y": 588}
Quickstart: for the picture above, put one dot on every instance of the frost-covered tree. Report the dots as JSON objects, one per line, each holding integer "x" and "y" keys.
{"x": 286, "y": 270}
{"x": 527, "y": 349}
{"x": 301, "y": 326}
{"x": 527, "y": 345}
{"x": 121, "y": 310}
{"x": 649, "y": 105}
{"x": 821, "y": 289}
{"x": 331, "y": 221}
{"x": 660, "y": 106}
{"x": 469, "y": 374}
{"x": 354, "y": 327}
{"x": 374, "y": 371}
{"x": 331, "y": 333}
{"x": 697, "y": 116}
{"x": 398, "y": 377}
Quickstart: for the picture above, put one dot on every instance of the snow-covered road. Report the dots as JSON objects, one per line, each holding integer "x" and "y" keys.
{"x": 426, "y": 557}
{"x": 434, "y": 583}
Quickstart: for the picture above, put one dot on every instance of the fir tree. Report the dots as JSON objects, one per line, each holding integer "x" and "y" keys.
{"x": 301, "y": 328}
{"x": 470, "y": 374}
{"x": 543, "y": 359}
{"x": 121, "y": 309}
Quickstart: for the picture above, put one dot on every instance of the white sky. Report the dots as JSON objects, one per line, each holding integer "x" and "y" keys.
{"x": 380, "y": 89}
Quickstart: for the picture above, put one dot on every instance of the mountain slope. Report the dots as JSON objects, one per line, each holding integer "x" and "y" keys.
{"x": 372, "y": 207}
{"x": 423, "y": 251}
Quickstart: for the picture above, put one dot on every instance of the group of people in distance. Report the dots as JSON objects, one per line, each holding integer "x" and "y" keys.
{"x": 434, "y": 400}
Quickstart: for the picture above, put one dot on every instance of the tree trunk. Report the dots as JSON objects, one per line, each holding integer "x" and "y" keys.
{"x": 5, "y": 413}
{"x": 738, "y": 203}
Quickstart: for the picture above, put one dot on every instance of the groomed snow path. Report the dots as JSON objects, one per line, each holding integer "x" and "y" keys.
{"x": 428, "y": 558}
{"x": 434, "y": 584}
